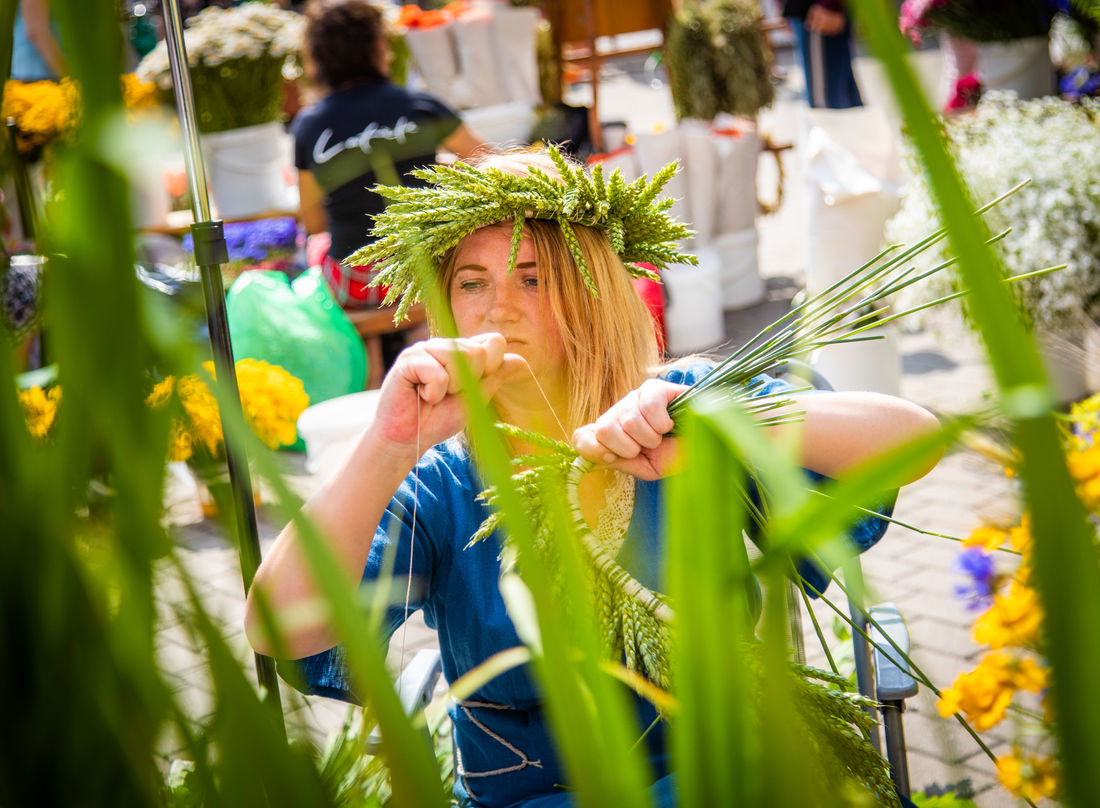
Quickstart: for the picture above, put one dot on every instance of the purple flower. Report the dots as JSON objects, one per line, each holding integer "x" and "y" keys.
{"x": 978, "y": 566}
{"x": 1078, "y": 82}
{"x": 255, "y": 241}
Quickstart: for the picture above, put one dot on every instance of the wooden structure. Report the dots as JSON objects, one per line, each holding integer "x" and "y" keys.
{"x": 577, "y": 24}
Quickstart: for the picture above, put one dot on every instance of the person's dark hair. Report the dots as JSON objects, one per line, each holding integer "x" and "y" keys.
{"x": 345, "y": 42}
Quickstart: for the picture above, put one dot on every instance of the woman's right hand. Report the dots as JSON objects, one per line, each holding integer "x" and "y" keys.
{"x": 420, "y": 405}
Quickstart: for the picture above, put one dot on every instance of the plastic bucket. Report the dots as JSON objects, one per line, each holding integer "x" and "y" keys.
{"x": 245, "y": 169}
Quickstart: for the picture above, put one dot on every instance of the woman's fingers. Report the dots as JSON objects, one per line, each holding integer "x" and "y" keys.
{"x": 635, "y": 425}
{"x": 483, "y": 355}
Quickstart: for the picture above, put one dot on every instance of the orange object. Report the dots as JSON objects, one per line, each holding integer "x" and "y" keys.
{"x": 604, "y": 156}
{"x": 432, "y": 19}
{"x": 409, "y": 16}
{"x": 175, "y": 182}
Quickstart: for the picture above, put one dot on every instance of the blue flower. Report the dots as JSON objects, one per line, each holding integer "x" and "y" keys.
{"x": 978, "y": 566}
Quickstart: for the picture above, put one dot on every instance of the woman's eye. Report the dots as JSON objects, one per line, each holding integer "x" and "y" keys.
{"x": 531, "y": 280}
{"x": 468, "y": 286}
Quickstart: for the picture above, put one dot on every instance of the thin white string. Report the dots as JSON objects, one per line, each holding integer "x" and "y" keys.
{"x": 546, "y": 398}
{"x": 416, "y": 498}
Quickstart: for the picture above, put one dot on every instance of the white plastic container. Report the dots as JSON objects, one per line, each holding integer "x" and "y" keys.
{"x": 693, "y": 317}
{"x": 331, "y": 428}
{"x": 246, "y": 169}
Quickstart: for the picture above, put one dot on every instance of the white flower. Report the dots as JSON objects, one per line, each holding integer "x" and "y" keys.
{"x": 216, "y": 35}
{"x": 1054, "y": 220}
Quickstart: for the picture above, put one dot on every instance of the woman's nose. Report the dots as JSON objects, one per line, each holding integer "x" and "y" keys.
{"x": 504, "y": 306}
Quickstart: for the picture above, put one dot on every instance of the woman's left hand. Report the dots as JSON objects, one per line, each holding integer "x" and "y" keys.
{"x": 630, "y": 436}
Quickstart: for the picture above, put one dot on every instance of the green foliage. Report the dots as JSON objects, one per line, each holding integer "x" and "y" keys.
{"x": 1089, "y": 8}
{"x": 718, "y": 60}
{"x": 458, "y": 199}
{"x": 946, "y": 800}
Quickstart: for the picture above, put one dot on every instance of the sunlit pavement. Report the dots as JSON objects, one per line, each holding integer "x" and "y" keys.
{"x": 944, "y": 372}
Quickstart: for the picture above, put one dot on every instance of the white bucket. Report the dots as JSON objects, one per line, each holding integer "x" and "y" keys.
{"x": 1022, "y": 65}
{"x": 245, "y": 168}
{"x": 693, "y": 316}
{"x": 872, "y": 365}
{"x": 331, "y": 428}
{"x": 738, "y": 268}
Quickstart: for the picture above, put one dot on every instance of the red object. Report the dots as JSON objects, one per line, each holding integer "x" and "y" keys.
{"x": 348, "y": 284}
{"x": 601, "y": 157}
{"x": 968, "y": 91}
{"x": 652, "y": 294}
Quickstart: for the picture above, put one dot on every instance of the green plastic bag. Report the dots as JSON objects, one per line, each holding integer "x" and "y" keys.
{"x": 298, "y": 327}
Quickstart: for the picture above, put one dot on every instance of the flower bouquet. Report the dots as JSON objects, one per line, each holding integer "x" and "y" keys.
{"x": 262, "y": 244}
{"x": 271, "y": 399}
{"x": 236, "y": 57}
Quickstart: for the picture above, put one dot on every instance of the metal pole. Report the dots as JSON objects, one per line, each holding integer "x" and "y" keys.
{"x": 861, "y": 650}
{"x": 210, "y": 253}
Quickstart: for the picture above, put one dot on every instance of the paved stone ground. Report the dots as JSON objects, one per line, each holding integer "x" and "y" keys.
{"x": 912, "y": 570}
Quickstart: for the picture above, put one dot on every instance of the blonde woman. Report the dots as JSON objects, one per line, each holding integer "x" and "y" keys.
{"x": 553, "y": 357}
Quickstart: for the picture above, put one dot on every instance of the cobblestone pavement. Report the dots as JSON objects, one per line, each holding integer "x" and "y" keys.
{"x": 912, "y": 570}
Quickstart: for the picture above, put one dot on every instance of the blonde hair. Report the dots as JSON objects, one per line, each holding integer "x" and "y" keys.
{"x": 609, "y": 339}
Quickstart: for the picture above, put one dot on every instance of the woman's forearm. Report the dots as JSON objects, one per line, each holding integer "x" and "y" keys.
{"x": 346, "y": 510}
{"x": 842, "y": 430}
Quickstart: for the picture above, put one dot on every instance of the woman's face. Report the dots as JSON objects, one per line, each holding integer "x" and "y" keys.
{"x": 485, "y": 298}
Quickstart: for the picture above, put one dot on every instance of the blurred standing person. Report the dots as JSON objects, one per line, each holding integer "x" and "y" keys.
{"x": 36, "y": 52}
{"x": 823, "y": 31}
{"x": 365, "y": 130}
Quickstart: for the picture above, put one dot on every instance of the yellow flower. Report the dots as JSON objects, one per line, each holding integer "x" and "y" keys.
{"x": 272, "y": 400}
{"x": 1020, "y": 536}
{"x": 1089, "y": 493}
{"x": 1027, "y": 674}
{"x": 1013, "y": 619}
{"x": 1084, "y": 464}
{"x": 984, "y": 693}
{"x": 138, "y": 94}
{"x": 1029, "y": 777}
{"x": 201, "y": 410}
{"x": 161, "y": 392}
{"x": 986, "y": 537}
{"x": 42, "y": 110}
{"x": 39, "y": 410}
{"x": 181, "y": 448}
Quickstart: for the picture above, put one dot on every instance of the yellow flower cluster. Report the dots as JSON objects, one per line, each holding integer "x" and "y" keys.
{"x": 43, "y": 111}
{"x": 138, "y": 94}
{"x": 1013, "y": 620}
{"x": 1011, "y": 628}
{"x": 40, "y": 409}
{"x": 985, "y": 692}
{"x": 271, "y": 398}
{"x": 1012, "y": 625}
{"x": 1027, "y": 776}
